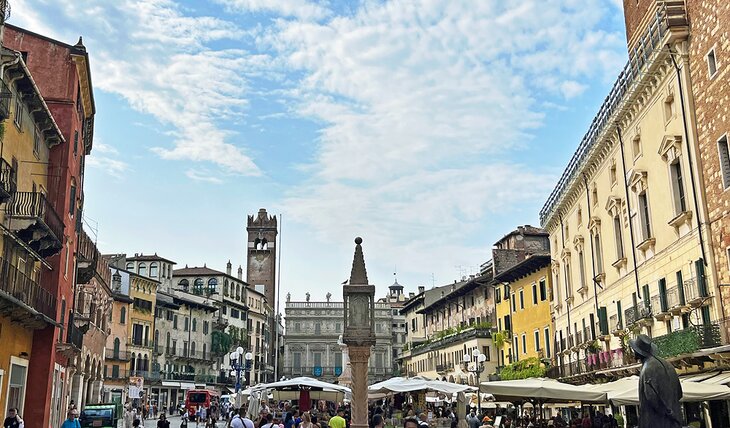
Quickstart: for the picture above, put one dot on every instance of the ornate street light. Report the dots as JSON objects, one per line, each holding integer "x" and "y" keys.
{"x": 236, "y": 357}
{"x": 478, "y": 367}
{"x": 359, "y": 334}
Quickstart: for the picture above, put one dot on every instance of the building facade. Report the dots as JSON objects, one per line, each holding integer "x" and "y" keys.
{"x": 627, "y": 222}
{"x": 62, "y": 74}
{"x": 140, "y": 344}
{"x": 30, "y": 238}
{"x": 311, "y": 341}
{"x": 397, "y": 299}
{"x": 117, "y": 357}
{"x": 260, "y": 318}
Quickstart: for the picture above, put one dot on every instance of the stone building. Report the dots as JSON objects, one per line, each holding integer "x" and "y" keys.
{"x": 260, "y": 343}
{"x": 628, "y": 233}
{"x": 396, "y": 299}
{"x": 62, "y": 73}
{"x": 152, "y": 266}
{"x": 311, "y": 345}
{"x": 91, "y": 314}
{"x": 140, "y": 344}
{"x": 117, "y": 356}
{"x": 30, "y": 305}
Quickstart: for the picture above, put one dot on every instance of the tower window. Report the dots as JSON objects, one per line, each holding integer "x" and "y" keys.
{"x": 724, "y": 152}
{"x": 711, "y": 63}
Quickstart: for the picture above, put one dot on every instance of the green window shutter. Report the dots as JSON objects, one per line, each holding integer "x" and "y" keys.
{"x": 603, "y": 320}
{"x": 663, "y": 294}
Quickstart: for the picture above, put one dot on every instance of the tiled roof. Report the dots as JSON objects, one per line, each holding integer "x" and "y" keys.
{"x": 189, "y": 271}
{"x": 148, "y": 258}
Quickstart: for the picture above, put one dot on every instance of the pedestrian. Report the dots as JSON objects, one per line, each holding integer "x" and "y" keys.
{"x": 128, "y": 417}
{"x": 473, "y": 420}
{"x": 377, "y": 420}
{"x": 423, "y": 420}
{"x": 306, "y": 421}
{"x": 339, "y": 420}
{"x": 163, "y": 422}
{"x": 410, "y": 423}
{"x": 71, "y": 420}
{"x": 13, "y": 420}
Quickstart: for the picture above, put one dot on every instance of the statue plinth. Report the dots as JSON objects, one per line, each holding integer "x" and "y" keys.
{"x": 359, "y": 356}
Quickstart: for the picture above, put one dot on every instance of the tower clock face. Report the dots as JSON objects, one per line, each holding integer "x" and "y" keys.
{"x": 257, "y": 262}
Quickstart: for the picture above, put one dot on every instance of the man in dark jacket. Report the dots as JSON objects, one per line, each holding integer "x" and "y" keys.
{"x": 659, "y": 387}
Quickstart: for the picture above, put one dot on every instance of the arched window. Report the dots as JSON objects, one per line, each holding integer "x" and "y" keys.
{"x": 264, "y": 244}
{"x": 116, "y": 347}
{"x": 130, "y": 267}
{"x": 195, "y": 324}
{"x": 145, "y": 364}
{"x": 133, "y": 362}
{"x": 212, "y": 286}
{"x": 204, "y": 351}
{"x": 238, "y": 291}
{"x": 198, "y": 286}
{"x": 123, "y": 316}
{"x": 225, "y": 288}
{"x": 142, "y": 269}
{"x": 157, "y": 339}
{"x": 257, "y": 244}
{"x": 153, "y": 270}
{"x": 184, "y": 284}
{"x": 167, "y": 344}
{"x": 192, "y": 349}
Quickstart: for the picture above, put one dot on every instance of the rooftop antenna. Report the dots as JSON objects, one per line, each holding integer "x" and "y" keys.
{"x": 433, "y": 281}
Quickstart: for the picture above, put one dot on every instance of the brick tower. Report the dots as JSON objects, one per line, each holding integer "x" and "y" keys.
{"x": 261, "y": 253}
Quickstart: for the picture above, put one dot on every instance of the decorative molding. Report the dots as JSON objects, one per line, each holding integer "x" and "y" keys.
{"x": 670, "y": 148}
{"x": 638, "y": 181}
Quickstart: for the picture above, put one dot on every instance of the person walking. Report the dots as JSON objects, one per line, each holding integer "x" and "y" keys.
{"x": 163, "y": 422}
{"x": 128, "y": 417}
{"x": 13, "y": 420}
{"x": 72, "y": 419}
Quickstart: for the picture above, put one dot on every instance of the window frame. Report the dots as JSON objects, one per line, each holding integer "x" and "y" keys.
{"x": 18, "y": 114}
{"x": 711, "y": 53}
{"x": 723, "y": 152}
{"x": 679, "y": 195}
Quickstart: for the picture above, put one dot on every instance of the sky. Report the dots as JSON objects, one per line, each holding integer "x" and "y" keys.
{"x": 430, "y": 128}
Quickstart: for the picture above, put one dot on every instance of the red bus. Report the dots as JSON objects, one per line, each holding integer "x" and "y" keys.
{"x": 205, "y": 398}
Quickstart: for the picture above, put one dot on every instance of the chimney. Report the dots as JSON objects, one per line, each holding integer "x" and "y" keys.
{"x": 421, "y": 289}
{"x": 228, "y": 268}
{"x": 240, "y": 272}
{"x": 411, "y": 295}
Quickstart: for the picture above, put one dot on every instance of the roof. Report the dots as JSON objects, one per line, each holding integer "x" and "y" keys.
{"x": 149, "y": 258}
{"x": 460, "y": 289}
{"x": 186, "y": 271}
{"x": 122, "y": 297}
{"x": 183, "y": 299}
{"x": 525, "y": 230}
{"x": 166, "y": 300}
{"x": 413, "y": 301}
{"x": 529, "y": 265}
{"x": 395, "y": 285}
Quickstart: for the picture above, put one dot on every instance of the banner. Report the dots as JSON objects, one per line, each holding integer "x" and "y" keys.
{"x": 136, "y": 387}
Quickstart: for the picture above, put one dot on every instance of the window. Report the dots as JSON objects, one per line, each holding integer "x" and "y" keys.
{"x": 76, "y": 142}
{"x": 16, "y": 383}
{"x": 37, "y": 142}
{"x": 174, "y": 322}
{"x": 680, "y": 201}
{"x": 579, "y": 216}
{"x": 498, "y": 295}
{"x": 317, "y": 328}
{"x": 317, "y": 357}
{"x": 205, "y": 327}
{"x": 599, "y": 253}
{"x": 547, "y": 342}
{"x": 195, "y": 324}
{"x": 198, "y": 286}
{"x": 722, "y": 148}
{"x": 644, "y": 218}
{"x": 225, "y": 288}
{"x": 636, "y": 144}
{"x": 142, "y": 269}
{"x": 514, "y": 306}
{"x": 522, "y": 299}
{"x": 18, "y": 111}
{"x": 338, "y": 359}
{"x": 192, "y": 348}
{"x": 582, "y": 269}
{"x": 338, "y": 326}
{"x": 524, "y": 343}
{"x": 568, "y": 284}
{"x": 711, "y": 63}
{"x": 153, "y": 270}
{"x": 619, "y": 237}
{"x": 537, "y": 340}
{"x": 534, "y": 294}
{"x": 297, "y": 327}
{"x": 543, "y": 290}
{"x": 612, "y": 173}
{"x": 186, "y": 324}
{"x": 297, "y": 360}
{"x": 123, "y": 316}
{"x": 212, "y": 286}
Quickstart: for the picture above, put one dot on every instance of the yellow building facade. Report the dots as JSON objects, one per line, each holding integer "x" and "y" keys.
{"x": 524, "y": 321}
{"x": 626, "y": 223}
{"x": 143, "y": 292}
{"x": 30, "y": 234}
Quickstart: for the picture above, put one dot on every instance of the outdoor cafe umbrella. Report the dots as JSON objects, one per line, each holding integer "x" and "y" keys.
{"x": 543, "y": 390}
{"x": 626, "y": 391}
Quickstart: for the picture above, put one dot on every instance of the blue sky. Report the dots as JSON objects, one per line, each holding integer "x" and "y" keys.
{"x": 428, "y": 127}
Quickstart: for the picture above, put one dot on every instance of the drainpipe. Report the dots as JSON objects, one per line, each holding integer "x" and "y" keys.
{"x": 593, "y": 264}
{"x": 689, "y": 156}
{"x": 628, "y": 208}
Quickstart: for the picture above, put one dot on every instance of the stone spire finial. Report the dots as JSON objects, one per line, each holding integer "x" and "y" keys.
{"x": 358, "y": 276}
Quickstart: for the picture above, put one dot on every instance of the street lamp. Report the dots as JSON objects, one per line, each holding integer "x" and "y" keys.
{"x": 236, "y": 364}
{"x": 478, "y": 367}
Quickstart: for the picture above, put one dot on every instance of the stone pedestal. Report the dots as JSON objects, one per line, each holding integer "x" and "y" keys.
{"x": 359, "y": 356}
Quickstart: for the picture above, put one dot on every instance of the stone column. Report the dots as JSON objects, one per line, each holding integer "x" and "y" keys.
{"x": 359, "y": 356}
{"x": 77, "y": 382}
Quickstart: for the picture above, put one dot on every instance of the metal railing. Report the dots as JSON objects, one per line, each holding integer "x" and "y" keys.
{"x": 25, "y": 289}
{"x": 117, "y": 354}
{"x": 141, "y": 343}
{"x": 689, "y": 340}
{"x": 8, "y": 186}
{"x": 35, "y": 205}
{"x": 74, "y": 335}
{"x": 637, "y": 313}
{"x": 183, "y": 353}
{"x": 5, "y": 97}
{"x": 668, "y": 14}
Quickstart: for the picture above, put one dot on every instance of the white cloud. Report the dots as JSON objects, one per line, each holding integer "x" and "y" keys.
{"x": 302, "y": 9}
{"x": 571, "y": 88}
{"x": 204, "y": 176}
{"x": 110, "y": 165}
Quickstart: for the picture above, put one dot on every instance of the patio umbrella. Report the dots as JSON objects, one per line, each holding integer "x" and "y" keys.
{"x": 543, "y": 389}
{"x": 627, "y": 392}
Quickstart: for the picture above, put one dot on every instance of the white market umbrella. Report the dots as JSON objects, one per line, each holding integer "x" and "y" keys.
{"x": 543, "y": 389}
{"x": 626, "y": 391}
{"x": 402, "y": 384}
{"x": 302, "y": 382}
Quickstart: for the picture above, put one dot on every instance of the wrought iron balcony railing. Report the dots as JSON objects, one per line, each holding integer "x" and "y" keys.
{"x": 5, "y": 97}
{"x": 8, "y": 185}
{"x": 34, "y": 220}
{"x": 25, "y": 289}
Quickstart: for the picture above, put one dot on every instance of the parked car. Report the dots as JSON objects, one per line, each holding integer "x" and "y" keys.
{"x": 100, "y": 415}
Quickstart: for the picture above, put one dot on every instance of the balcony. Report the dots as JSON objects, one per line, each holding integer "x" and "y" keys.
{"x": 88, "y": 257}
{"x": 661, "y": 307}
{"x": 640, "y": 313}
{"x": 35, "y": 222}
{"x": 442, "y": 368}
{"x": 8, "y": 186}
{"x": 24, "y": 300}
{"x": 116, "y": 355}
{"x": 689, "y": 340}
{"x": 184, "y": 354}
{"x": 695, "y": 294}
{"x": 5, "y": 97}
{"x": 75, "y": 336}
{"x": 141, "y": 343}
{"x": 119, "y": 374}
{"x": 221, "y": 322}
{"x": 457, "y": 337}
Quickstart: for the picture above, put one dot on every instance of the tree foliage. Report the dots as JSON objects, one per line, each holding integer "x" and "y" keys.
{"x": 530, "y": 367}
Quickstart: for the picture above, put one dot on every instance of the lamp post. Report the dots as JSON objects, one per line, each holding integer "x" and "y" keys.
{"x": 359, "y": 335}
{"x": 248, "y": 357}
{"x": 478, "y": 359}
{"x": 236, "y": 357}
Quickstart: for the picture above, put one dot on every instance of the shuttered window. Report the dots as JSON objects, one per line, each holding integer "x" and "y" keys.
{"x": 724, "y": 153}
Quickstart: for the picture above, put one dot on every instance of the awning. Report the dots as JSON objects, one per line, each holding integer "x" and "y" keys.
{"x": 187, "y": 385}
{"x": 171, "y": 384}
{"x": 720, "y": 379}
{"x": 697, "y": 377}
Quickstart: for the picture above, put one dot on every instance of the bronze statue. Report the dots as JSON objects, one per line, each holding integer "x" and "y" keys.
{"x": 659, "y": 387}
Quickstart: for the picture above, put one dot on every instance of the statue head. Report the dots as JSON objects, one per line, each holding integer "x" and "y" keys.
{"x": 307, "y": 296}
{"x": 643, "y": 347}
